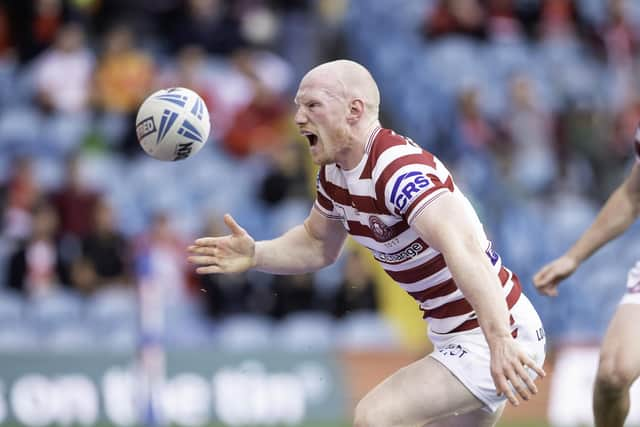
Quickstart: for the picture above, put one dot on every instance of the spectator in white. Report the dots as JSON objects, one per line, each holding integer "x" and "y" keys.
{"x": 63, "y": 72}
{"x": 532, "y": 164}
{"x": 36, "y": 267}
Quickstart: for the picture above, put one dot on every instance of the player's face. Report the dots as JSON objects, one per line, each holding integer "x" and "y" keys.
{"x": 321, "y": 118}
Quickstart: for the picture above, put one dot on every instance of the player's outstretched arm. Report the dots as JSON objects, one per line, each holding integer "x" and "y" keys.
{"x": 307, "y": 247}
{"x": 449, "y": 225}
{"x": 617, "y": 215}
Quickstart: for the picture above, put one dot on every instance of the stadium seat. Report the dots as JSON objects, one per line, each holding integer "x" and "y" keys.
{"x": 113, "y": 308}
{"x": 305, "y": 332}
{"x": 365, "y": 331}
{"x": 245, "y": 333}
{"x": 50, "y": 311}
{"x": 70, "y": 338}
{"x": 18, "y": 337}
{"x": 11, "y": 308}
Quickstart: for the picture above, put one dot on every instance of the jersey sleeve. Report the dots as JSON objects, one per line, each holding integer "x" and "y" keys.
{"x": 323, "y": 203}
{"x": 411, "y": 181}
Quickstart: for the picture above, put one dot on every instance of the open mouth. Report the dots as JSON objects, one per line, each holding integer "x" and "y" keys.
{"x": 311, "y": 137}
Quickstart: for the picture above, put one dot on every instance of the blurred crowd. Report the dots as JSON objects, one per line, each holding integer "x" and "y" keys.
{"x": 81, "y": 203}
{"x": 532, "y": 104}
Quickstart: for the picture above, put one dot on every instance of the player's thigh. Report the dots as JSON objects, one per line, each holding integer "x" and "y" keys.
{"x": 415, "y": 395}
{"x": 477, "y": 418}
{"x": 620, "y": 352}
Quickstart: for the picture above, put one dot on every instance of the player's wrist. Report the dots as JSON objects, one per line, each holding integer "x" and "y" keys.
{"x": 573, "y": 258}
{"x": 256, "y": 256}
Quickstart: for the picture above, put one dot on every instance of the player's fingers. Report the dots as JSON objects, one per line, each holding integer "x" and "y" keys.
{"x": 543, "y": 277}
{"x": 202, "y": 260}
{"x": 517, "y": 384}
{"x": 208, "y": 241}
{"x": 204, "y": 250}
{"x": 210, "y": 269}
{"x": 503, "y": 388}
{"x": 526, "y": 379}
{"x": 236, "y": 230}
{"x": 529, "y": 363}
{"x": 549, "y": 290}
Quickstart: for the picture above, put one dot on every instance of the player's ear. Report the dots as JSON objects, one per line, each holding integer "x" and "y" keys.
{"x": 356, "y": 110}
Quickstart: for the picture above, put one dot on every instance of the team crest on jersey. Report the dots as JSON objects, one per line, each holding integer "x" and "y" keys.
{"x": 381, "y": 231}
{"x": 407, "y": 187}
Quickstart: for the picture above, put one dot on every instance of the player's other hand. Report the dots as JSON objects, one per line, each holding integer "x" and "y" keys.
{"x": 547, "y": 279}
{"x": 509, "y": 363}
{"x": 233, "y": 253}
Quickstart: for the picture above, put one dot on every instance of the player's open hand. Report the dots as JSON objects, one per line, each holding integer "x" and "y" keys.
{"x": 233, "y": 253}
{"x": 547, "y": 279}
{"x": 509, "y": 365}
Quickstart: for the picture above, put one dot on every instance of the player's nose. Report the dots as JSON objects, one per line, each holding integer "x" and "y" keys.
{"x": 300, "y": 117}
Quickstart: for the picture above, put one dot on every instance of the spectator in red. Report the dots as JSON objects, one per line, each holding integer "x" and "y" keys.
{"x": 35, "y": 25}
{"x": 462, "y": 17}
{"x": 264, "y": 123}
{"x": 22, "y": 193}
{"x": 74, "y": 202}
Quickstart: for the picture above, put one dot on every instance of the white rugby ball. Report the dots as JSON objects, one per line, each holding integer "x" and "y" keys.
{"x": 173, "y": 124}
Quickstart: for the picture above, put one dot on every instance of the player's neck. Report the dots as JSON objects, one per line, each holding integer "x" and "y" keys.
{"x": 356, "y": 145}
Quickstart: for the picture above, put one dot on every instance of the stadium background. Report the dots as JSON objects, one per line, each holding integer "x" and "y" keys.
{"x": 532, "y": 103}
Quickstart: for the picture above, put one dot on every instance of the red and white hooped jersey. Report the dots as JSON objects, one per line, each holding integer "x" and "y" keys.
{"x": 378, "y": 200}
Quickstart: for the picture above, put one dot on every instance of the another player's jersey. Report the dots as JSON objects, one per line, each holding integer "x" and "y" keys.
{"x": 377, "y": 202}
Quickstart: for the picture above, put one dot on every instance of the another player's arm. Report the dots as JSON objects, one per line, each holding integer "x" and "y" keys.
{"x": 307, "y": 247}
{"x": 616, "y": 216}
{"x": 448, "y": 226}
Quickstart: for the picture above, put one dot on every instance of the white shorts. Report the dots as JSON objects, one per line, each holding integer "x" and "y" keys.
{"x": 467, "y": 356}
{"x": 632, "y": 296}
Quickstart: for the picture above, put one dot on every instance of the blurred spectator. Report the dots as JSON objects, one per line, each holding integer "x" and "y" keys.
{"x": 287, "y": 178}
{"x": 75, "y": 203}
{"x": 532, "y": 160}
{"x": 474, "y": 130}
{"x": 558, "y": 19}
{"x": 124, "y": 77}
{"x": 190, "y": 70}
{"x": 22, "y": 193}
{"x": 35, "y": 24}
{"x": 461, "y": 17}
{"x": 6, "y": 40}
{"x": 357, "y": 291}
{"x": 124, "y": 73}
{"x": 166, "y": 251}
{"x": 63, "y": 73}
{"x": 585, "y": 136}
{"x": 265, "y": 123}
{"x": 104, "y": 259}
{"x": 502, "y": 21}
{"x": 36, "y": 267}
{"x": 294, "y": 293}
{"x": 207, "y": 23}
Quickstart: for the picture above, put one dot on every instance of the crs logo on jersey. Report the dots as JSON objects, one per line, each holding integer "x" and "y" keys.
{"x": 407, "y": 187}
